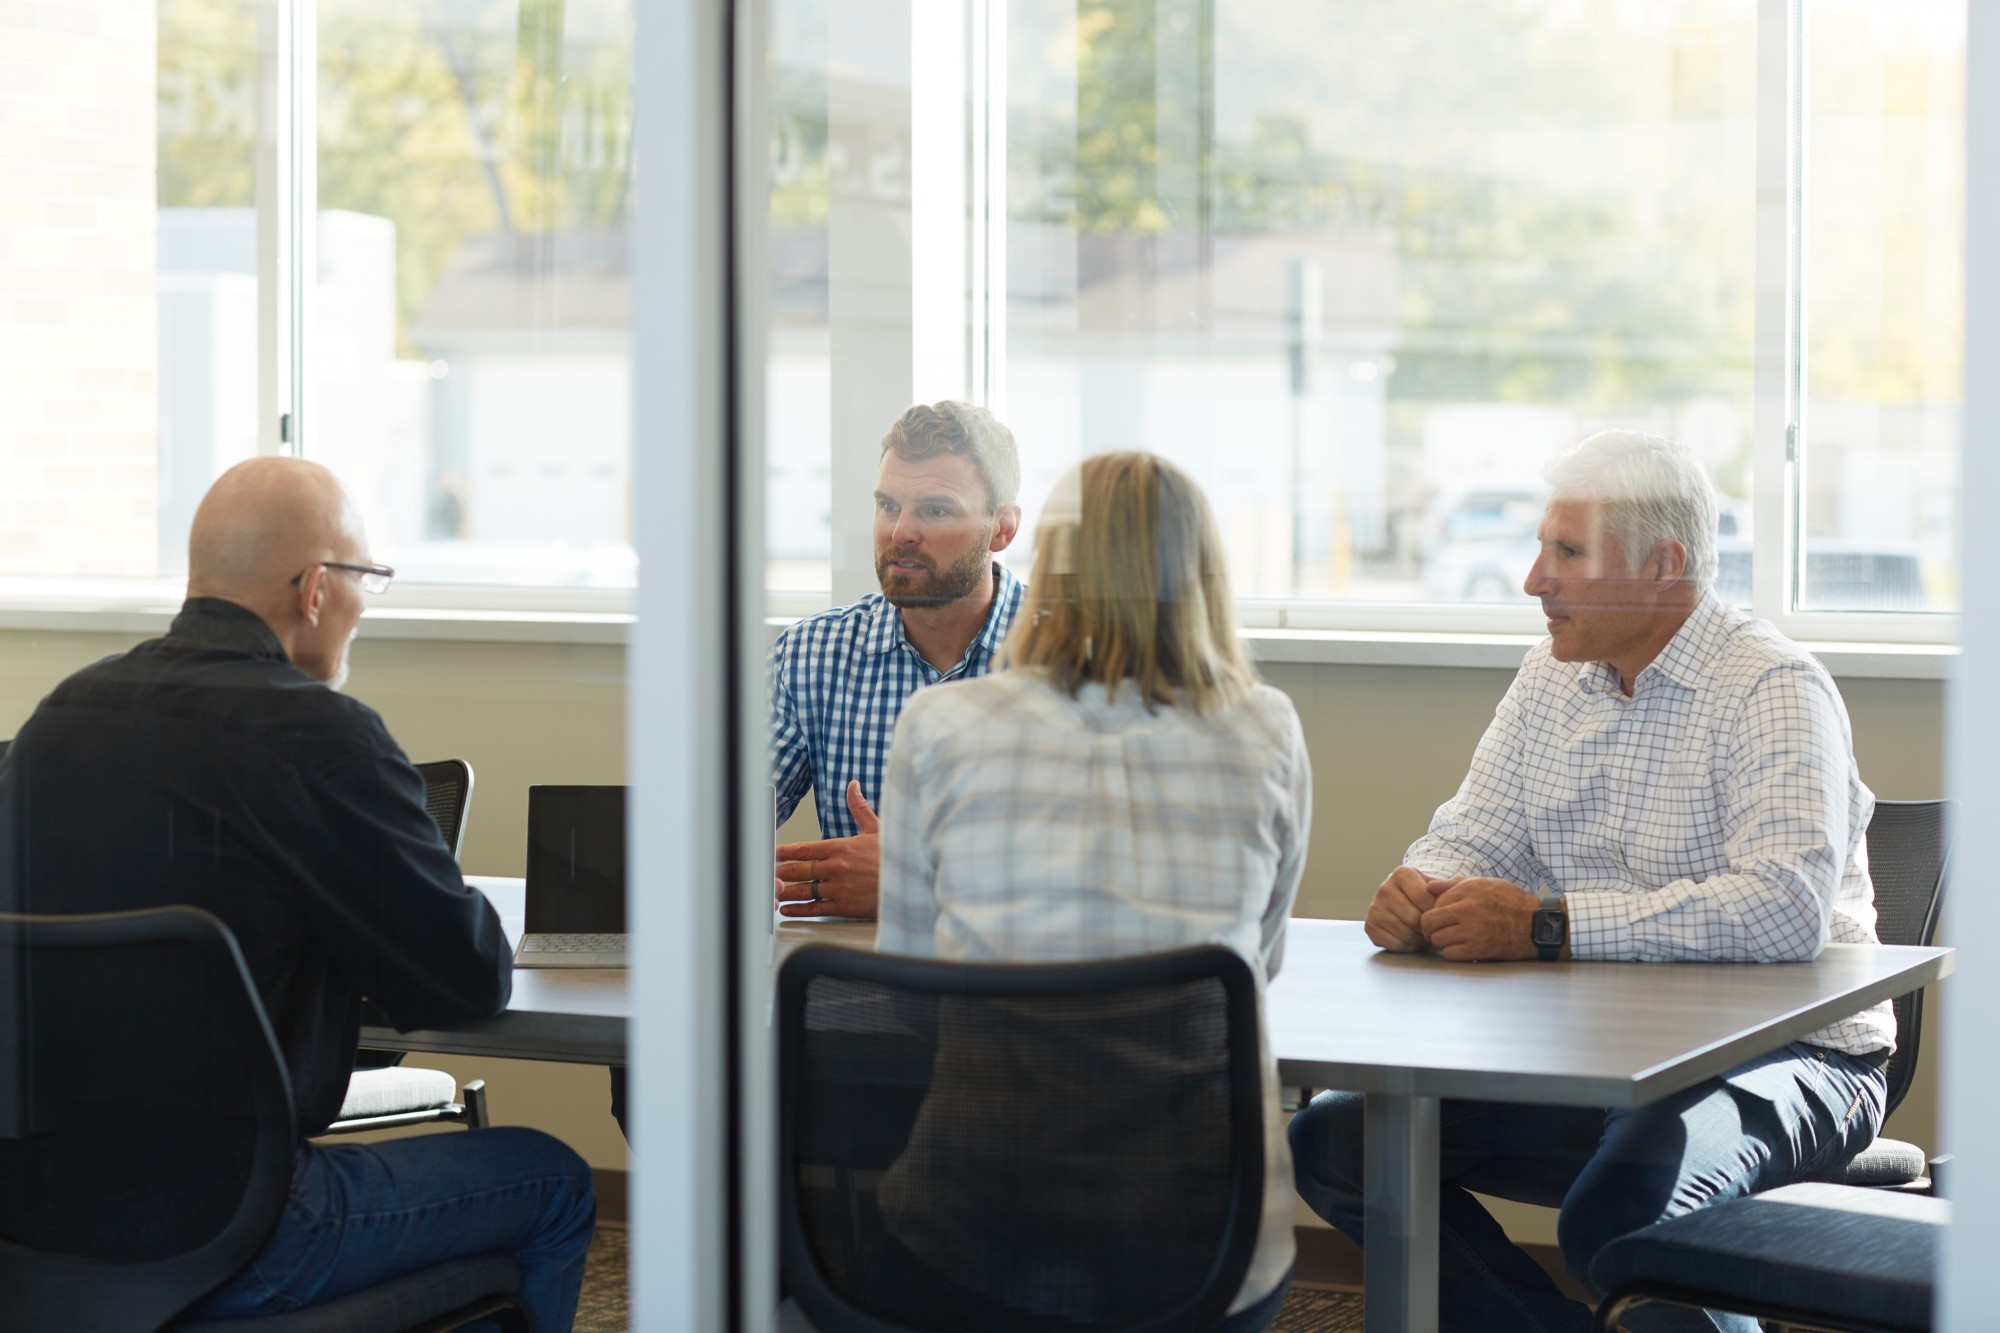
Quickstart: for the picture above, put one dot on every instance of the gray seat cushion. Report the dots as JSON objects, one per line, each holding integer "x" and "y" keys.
{"x": 1817, "y": 1249}
{"x": 389, "y": 1308}
{"x": 1883, "y": 1162}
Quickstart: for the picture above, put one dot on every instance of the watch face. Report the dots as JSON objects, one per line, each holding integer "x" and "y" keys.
{"x": 1548, "y": 928}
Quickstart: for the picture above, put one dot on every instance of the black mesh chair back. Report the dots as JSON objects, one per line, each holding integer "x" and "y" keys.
{"x": 1048, "y": 1147}
{"x": 448, "y": 795}
{"x": 146, "y": 1130}
{"x": 1909, "y": 853}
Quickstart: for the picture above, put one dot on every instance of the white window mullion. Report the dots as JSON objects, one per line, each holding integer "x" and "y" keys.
{"x": 1778, "y": 340}
{"x": 988, "y": 202}
{"x": 942, "y": 279}
{"x": 287, "y": 194}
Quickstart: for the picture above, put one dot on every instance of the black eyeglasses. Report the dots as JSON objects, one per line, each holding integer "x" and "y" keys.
{"x": 374, "y": 578}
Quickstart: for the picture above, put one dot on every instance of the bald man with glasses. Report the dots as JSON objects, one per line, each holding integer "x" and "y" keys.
{"x": 220, "y": 767}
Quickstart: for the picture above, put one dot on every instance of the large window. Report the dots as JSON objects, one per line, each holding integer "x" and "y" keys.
{"x": 1884, "y": 297}
{"x": 388, "y": 235}
{"x": 1361, "y": 265}
{"x": 470, "y": 342}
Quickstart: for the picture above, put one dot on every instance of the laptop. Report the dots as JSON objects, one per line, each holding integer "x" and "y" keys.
{"x": 576, "y": 878}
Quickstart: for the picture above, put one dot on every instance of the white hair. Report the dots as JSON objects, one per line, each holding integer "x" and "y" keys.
{"x": 1652, "y": 490}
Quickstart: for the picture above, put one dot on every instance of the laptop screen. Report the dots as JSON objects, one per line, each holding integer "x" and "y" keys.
{"x": 576, "y": 860}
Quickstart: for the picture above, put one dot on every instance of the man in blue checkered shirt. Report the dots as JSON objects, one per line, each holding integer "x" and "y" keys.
{"x": 945, "y": 504}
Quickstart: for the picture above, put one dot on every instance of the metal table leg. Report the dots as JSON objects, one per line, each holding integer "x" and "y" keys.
{"x": 1400, "y": 1260}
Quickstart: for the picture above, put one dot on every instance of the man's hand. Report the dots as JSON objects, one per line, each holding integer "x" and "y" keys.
{"x": 834, "y": 876}
{"x": 1395, "y": 919}
{"x": 1482, "y": 921}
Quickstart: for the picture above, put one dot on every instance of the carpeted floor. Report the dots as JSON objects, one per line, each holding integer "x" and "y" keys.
{"x": 603, "y": 1308}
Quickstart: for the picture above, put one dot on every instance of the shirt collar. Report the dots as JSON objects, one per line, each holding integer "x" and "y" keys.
{"x": 1684, "y": 660}
{"x": 216, "y": 623}
{"x": 885, "y": 631}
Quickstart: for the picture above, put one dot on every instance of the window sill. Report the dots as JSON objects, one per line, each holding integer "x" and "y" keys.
{"x": 1316, "y": 647}
{"x": 1403, "y": 648}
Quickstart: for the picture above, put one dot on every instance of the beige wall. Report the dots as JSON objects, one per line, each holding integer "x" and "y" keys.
{"x": 1387, "y": 743}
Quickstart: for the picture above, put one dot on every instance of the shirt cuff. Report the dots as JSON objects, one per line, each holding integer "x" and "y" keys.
{"x": 1443, "y": 867}
{"x": 1600, "y": 926}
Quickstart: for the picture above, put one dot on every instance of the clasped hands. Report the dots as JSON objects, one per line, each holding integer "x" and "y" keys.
{"x": 1464, "y": 920}
{"x": 834, "y": 876}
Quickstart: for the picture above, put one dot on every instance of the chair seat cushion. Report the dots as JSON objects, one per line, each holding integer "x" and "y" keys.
{"x": 1815, "y": 1248}
{"x": 394, "y": 1090}
{"x": 1883, "y": 1162}
{"x": 393, "y": 1306}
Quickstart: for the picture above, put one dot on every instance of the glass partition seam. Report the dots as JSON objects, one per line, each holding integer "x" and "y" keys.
{"x": 1797, "y": 127}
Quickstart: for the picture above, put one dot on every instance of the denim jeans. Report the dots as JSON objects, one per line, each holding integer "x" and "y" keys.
{"x": 1793, "y": 1113}
{"x": 360, "y": 1214}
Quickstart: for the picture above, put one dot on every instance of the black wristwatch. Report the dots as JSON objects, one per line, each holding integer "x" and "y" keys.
{"x": 1549, "y": 931}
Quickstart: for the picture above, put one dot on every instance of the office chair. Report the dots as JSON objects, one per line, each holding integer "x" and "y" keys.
{"x": 1855, "y": 1249}
{"x": 147, "y": 1137}
{"x": 1909, "y": 854}
{"x": 447, "y": 796}
{"x": 1831, "y": 1256}
{"x": 984, "y": 1147}
{"x": 383, "y": 1093}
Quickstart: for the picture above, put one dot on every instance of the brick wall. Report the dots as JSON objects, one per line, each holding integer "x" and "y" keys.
{"x": 78, "y": 354}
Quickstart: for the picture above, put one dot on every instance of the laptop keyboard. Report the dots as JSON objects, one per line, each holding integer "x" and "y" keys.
{"x": 571, "y": 950}
{"x": 572, "y": 943}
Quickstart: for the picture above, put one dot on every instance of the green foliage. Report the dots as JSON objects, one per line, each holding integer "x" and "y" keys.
{"x": 454, "y": 119}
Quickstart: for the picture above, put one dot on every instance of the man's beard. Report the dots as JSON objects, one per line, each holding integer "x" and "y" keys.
{"x": 935, "y": 587}
{"x": 338, "y": 680}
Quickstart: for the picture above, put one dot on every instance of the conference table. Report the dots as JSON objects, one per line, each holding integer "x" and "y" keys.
{"x": 1407, "y": 1031}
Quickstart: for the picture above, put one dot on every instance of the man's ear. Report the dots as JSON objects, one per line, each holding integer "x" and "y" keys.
{"x": 1670, "y": 562}
{"x": 312, "y": 595}
{"x": 1006, "y": 525}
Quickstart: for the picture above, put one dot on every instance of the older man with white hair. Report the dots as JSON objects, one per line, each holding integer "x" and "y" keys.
{"x": 1666, "y": 780}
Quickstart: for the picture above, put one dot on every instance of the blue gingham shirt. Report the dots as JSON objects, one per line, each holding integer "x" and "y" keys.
{"x": 1715, "y": 815}
{"x": 838, "y": 683}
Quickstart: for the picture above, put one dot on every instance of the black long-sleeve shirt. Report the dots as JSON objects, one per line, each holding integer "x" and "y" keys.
{"x": 204, "y": 768}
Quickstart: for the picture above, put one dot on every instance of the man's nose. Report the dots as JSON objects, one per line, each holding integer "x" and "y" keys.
{"x": 904, "y": 533}
{"x": 1538, "y": 583}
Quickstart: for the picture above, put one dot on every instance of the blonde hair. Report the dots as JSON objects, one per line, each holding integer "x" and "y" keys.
{"x": 1130, "y": 586}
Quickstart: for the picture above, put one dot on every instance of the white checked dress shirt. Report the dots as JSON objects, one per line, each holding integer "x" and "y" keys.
{"x": 838, "y": 682}
{"x": 1020, "y": 825}
{"x": 1715, "y": 815}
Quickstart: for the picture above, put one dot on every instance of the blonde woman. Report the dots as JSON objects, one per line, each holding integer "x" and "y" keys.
{"x": 1124, "y": 786}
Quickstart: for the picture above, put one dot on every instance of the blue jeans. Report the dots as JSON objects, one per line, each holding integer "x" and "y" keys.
{"x": 360, "y": 1214}
{"x": 1793, "y": 1113}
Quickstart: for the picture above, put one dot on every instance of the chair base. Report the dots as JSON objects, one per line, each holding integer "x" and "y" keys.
{"x": 1631, "y": 1295}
